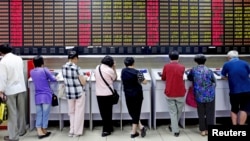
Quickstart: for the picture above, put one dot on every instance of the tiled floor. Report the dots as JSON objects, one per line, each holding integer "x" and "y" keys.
{"x": 190, "y": 133}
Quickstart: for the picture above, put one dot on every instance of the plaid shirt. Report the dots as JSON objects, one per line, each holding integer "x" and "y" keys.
{"x": 71, "y": 72}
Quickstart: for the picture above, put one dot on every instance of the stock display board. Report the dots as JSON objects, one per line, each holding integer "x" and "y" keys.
{"x": 125, "y": 23}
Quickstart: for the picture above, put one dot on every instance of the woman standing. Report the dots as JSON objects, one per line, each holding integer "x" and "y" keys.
{"x": 75, "y": 93}
{"x": 104, "y": 94}
{"x": 204, "y": 90}
{"x": 132, "y": 79}
{"x": 43, "y": 95}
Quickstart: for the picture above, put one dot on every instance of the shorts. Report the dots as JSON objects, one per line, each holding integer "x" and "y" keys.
{"x": 240, "y": 102}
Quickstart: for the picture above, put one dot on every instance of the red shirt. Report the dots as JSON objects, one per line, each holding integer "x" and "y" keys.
{"x": 173, "y": 75}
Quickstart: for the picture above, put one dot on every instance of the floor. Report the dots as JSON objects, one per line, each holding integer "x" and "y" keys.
{"x": 190, "y": 133}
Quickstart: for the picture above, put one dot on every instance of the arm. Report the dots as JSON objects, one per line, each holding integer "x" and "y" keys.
{"x": 141, "y": 78}
{"x": 81, "y": 77}
{"x": 114, "y": 69}
{"x": 3, "y": 80}
{"x": 50, "y": 76}
{"x": 163, "y": 77}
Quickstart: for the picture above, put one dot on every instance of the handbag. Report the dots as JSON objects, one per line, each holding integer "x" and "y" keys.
{"x": 3, "y": 111}
{"x": 190, "y": 99}
{"x": 54, "y": 100}
{"x": 115, "y": 96}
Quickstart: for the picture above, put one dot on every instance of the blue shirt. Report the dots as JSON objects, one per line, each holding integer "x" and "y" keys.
{"x": 203, "y": 82}
{"x": 237, "y": 72}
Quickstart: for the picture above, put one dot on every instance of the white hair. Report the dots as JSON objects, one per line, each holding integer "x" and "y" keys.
{"x": 233, "y": 54}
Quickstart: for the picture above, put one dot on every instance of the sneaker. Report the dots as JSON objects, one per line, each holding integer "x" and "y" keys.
{"x": 134, "y": 135}
{"x": 143, "y": 132}
{"x": 70, "y": 134}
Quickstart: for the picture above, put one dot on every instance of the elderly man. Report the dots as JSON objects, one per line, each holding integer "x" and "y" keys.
{"x": 237, "y": 72}
{"x": 14, "y": 88}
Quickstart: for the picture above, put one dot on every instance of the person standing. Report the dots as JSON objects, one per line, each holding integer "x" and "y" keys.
{"x": 104, "y": 94}
{"x": 175, "y": 90}
{"x": 74, "y": 81}
{"x": 14, "y": 89}
{"x": 237, "y": 72}
{"x": 204, "y": 91}
{"x": 41, "y": 77}
{"x": 131, "y": 80}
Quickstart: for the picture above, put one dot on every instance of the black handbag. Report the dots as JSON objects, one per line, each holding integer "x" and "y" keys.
{"x": 54, "y": 100}
{"x": 115, "y": 96}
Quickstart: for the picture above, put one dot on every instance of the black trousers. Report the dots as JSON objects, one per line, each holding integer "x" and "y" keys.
{"x": 206, "y": 113}
{"x": 134, "y": 104}
{"x": 106, "y": 107}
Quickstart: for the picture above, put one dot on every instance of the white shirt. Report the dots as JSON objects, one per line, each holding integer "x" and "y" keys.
{"x": 15, "y": 77}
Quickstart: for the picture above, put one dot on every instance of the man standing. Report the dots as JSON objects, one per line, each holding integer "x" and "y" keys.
{"x": 175, "y": 90}
{"x": 14, "y": 89}
{"x": 237, "y": 72}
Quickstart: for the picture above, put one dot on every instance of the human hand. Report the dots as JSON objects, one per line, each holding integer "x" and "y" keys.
{"x": 3, "y": 96}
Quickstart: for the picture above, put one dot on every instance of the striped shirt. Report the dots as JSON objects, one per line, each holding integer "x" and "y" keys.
{"x": 71, "y": 72}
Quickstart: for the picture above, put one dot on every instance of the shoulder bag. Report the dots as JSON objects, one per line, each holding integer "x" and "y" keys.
{"x": 115, "y": 95}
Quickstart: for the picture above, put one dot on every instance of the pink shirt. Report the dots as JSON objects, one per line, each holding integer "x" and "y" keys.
{"x": 109, "y": 75}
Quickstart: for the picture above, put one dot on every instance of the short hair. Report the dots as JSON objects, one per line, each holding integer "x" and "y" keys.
{"x": 38, "y": 61}
{"x": 5, "y": 48}
{"x": 72, "y": 54}
{"x": 233, "y": 54}
{"x": 200, "y": 59}
{"x": 129, "y": 61}
{"x": 174, "y": 55}
{"x": 108, "y": 60}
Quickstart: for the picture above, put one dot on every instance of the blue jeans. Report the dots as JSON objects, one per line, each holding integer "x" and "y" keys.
{"x": 42, "y": 115}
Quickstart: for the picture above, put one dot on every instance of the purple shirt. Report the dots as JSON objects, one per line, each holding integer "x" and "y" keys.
{"x": 41, "y": 77}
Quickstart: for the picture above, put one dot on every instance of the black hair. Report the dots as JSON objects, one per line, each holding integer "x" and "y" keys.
{"x": 108, "y": 60}
{"x": 5, "y": 48}
{"x": 174, "y": 55}
{"x": 200, "y": 59}
{"x": 129, "y": 61}
{"x": 72, "y": 54}
{"x": 38, "y": 61}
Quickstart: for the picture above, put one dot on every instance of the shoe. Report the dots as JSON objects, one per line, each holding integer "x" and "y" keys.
{"x": 203, "y": 133}
{"x": 104, "y": 134}
{"x": 43, "y": 136}
{"x": 23, "y": 133}
{"x": 6, "y": 138}
{"x": 76, "y": 136}
{"x": 48, "y": 133}
{"x": 170, "y": 128}
{"x": 134, "y": 135}
{"x": 70, "y": 134}
{"x": 143, "y": 132}
{"x": 177, "y": 134}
